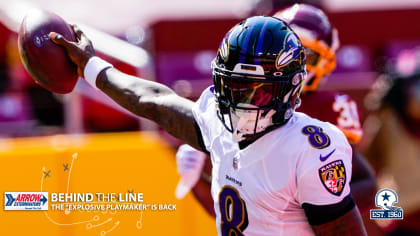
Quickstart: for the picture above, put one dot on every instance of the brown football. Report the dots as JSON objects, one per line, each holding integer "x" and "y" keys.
{"x": 47, "y": 62}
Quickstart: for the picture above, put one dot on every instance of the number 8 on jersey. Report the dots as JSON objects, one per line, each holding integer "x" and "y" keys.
{"x": 233, "y": 212}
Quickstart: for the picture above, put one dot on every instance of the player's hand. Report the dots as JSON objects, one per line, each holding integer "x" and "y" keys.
{"x": 79, "y": 52}
{"x": 190, "y": 163}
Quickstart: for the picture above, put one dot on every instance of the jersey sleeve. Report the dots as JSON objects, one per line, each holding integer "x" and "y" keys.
{"x": 202, "y": 112}
{"x": 323, "y": 178}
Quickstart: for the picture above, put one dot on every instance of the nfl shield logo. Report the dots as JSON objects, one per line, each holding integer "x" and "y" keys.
{"x": 235, "y": 163}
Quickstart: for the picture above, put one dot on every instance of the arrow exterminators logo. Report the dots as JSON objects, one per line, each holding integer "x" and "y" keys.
{"x": 26, "y": 201}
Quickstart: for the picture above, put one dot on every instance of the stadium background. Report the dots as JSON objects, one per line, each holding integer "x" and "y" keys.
{"x": 171, "y": 42}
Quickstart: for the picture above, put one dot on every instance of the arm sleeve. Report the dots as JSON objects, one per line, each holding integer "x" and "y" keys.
{"x": 200, "y": 139}
{"x": 318, "y": 215}
{"x": 203, "y": 111}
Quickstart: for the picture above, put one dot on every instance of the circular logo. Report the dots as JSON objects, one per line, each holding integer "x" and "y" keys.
{"x": 38, "y": 41}
{"x": 288, "y": 114}
{"x": 296, "y": 79}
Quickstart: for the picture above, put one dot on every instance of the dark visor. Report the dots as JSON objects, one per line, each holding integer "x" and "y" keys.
{"x": 259, "y": 92}
{"x": 241, "y": 91}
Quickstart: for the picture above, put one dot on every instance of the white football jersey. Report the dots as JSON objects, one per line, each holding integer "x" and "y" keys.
{"x": 259, "y": 190}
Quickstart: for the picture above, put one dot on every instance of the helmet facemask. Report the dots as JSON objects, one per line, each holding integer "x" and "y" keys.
{"x": 320, "y": 62}
{"x": 249, "y": 102}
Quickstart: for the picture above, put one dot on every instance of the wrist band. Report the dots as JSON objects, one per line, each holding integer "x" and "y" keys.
{"x": 92, "y": 69}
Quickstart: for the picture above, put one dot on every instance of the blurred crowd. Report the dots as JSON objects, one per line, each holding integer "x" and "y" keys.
{"x": 378, "y": 66}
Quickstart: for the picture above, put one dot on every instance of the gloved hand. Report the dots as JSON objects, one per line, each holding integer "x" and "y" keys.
{"x": 190, "y": 163}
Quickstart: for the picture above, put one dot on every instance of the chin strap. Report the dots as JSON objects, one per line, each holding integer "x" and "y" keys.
{"x": 238, "y": 135}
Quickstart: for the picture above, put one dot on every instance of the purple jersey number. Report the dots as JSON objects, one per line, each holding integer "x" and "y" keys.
{"x": 234, "y": 217}
{"x": 316, "y": 137}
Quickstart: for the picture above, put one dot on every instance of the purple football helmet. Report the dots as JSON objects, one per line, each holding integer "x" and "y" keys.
{"x": 318, "y": 37}
{"x": 258, "y": 74}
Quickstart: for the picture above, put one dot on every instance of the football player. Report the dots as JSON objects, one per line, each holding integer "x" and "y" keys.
{"x": 320, "y": 41}
{"x": 275, "y": 171}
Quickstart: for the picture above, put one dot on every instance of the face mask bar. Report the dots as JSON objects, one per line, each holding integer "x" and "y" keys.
{"x": 312, "y": 57}
{"x": 253, "y": 90}
{"x": 320, "y": 60}
{"x": 276, "y": 117}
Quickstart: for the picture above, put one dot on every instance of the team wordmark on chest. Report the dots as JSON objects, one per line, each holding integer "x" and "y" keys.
{"x": 235, "y": 181}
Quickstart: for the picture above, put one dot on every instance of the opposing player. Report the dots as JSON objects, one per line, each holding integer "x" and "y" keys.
{"x": 320, "y": 40}
{"x": 275, "y": 172}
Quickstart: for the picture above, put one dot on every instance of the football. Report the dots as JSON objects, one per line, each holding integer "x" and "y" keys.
{"x": 47, "y": 62}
